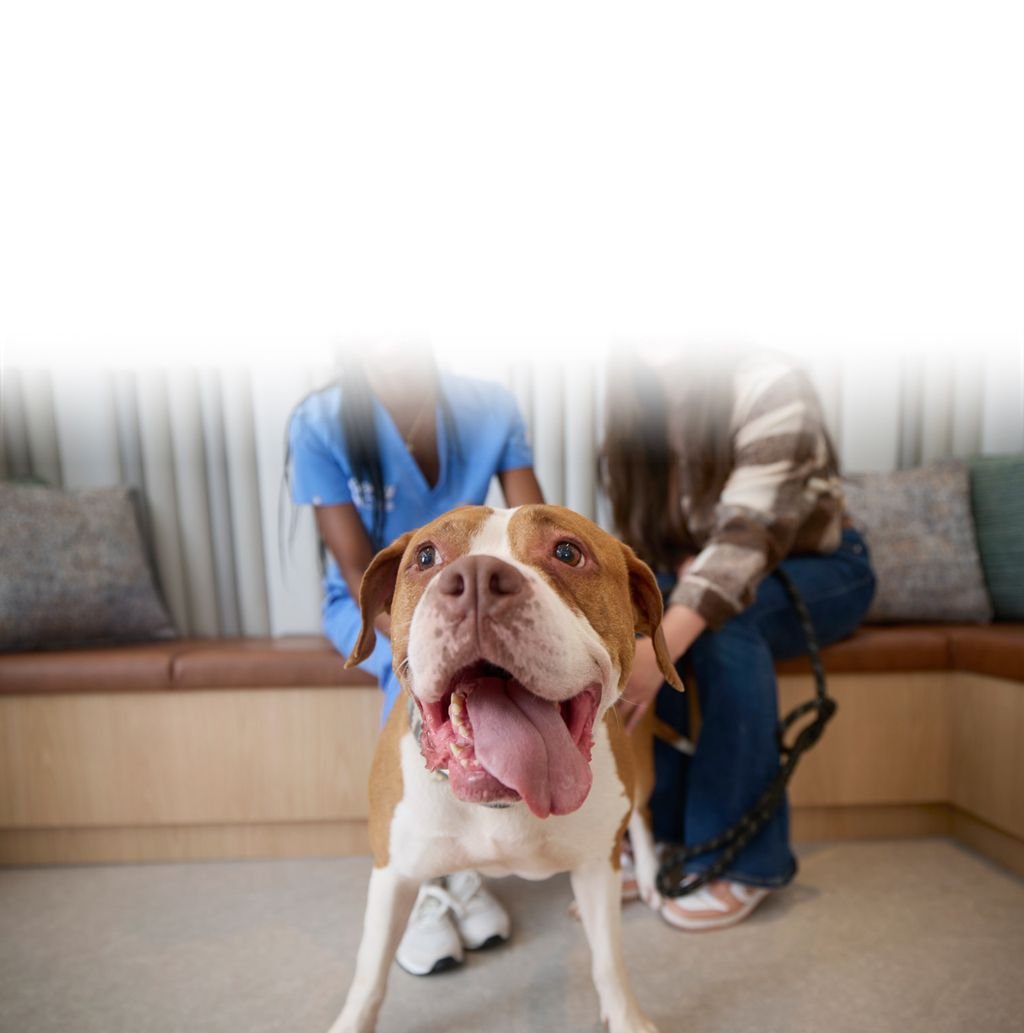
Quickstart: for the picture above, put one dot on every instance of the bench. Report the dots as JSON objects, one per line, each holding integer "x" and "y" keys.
{"x": 260, "y": 747}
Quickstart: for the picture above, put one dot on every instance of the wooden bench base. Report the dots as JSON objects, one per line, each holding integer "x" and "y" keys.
{"x": 236, "y": 772}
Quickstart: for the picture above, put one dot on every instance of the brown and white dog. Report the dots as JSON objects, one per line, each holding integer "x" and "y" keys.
{"x": 513, "y": 634}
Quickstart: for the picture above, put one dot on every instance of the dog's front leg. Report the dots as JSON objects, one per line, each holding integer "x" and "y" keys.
{"x": 645, "y": 859}
{"x": 389, "y": 901}
{"x": 596, "y": 886}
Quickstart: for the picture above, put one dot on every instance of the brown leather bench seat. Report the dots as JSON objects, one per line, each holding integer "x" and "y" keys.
{"x": 993, "y": 649}
{"x": 294, "y": 660}
{"x": 310, "y": 661}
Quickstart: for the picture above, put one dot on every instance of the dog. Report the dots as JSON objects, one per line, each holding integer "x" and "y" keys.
{"x": 513, "y": 635}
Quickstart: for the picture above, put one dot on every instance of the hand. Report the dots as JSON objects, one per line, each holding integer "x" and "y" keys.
{"x": 643, "y": 685}
{"x": 681, "y": 626}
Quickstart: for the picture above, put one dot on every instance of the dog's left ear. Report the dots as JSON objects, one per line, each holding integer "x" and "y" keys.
{"x": 648, "y": 611}
{"x": 376, "y": 591}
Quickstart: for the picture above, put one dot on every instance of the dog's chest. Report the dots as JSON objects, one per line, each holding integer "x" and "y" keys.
{"x": 433, "y": 833}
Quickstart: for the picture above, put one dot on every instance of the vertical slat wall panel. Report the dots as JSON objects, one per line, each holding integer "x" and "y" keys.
{"x": 289, "y": 537}
{"x": 193, "y": 501}
{"x": 1002, "y": 424}
{"x": 602, "y": 509}
{"x": 968, "y": 401}
{"x": 870, "y": 414}
{"x": 250, "y": 560}
{"x": 86, "y": 418}
{"x": 219, "y": 501}
{"x": 207, "y": 449}
{"x": 41, "y": 426}
{"x": 936, "y": 408}
{"x": 4, "y": 466}
{"x": 548, "y": 431}
{"x": 17, "y": 456}
{"x": 580, "y": 440}
{"x": 161, "y": 494}
{"x": 126, "y": 404}
{"x": 825, "y": 375}
{"x": 908, "y": 447}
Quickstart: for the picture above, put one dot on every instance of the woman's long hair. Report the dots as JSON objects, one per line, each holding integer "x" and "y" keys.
{"x": 654, "y": 455}
{"x": 359, "y": 433}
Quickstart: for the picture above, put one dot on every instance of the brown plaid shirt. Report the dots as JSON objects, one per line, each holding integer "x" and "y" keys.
{"x": 782, "y": 495}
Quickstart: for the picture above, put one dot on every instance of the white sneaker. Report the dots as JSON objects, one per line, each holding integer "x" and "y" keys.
{"x": 480, "y": 919}
{"x": 431, "y": 942}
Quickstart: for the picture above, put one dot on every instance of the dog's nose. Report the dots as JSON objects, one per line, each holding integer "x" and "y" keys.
{"x": 485, "y": 585}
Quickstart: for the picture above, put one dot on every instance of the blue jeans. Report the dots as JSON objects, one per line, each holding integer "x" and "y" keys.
{"x": 737, "y": 752}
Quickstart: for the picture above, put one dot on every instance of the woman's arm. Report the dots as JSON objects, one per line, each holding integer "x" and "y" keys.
{"x": 520, "y": 486}
{"x": 681, "y": 626}
{"x": 347, "y": 541}
{"x": 782, "y": 472}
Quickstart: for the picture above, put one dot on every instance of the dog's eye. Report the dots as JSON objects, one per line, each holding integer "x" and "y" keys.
{"x": 426, "y": 557}
{"x": 569, "y": 553}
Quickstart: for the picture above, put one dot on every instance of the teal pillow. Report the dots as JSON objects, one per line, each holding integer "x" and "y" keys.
{"x": 997, "y": 498}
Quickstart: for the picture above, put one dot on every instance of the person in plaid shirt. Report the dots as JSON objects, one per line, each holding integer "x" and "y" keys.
{"x": 719, "y": 470}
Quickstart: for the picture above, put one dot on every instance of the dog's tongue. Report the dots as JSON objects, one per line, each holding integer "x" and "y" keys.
{"x": 523, "y": 742}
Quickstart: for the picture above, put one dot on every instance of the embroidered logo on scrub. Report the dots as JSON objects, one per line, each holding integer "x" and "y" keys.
{"x": 362, "y": 494}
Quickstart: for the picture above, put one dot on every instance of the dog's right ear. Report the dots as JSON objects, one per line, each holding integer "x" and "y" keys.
{"x": 648, "y": 611}
{"x": 376, "y": 591}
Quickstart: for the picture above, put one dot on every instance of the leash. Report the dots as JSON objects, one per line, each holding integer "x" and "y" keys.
{"x": 672, "y": 880}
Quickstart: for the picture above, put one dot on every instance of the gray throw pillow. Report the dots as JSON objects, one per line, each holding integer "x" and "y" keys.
{"x": 74, "y": 569}
{"x": 920, "y": 531}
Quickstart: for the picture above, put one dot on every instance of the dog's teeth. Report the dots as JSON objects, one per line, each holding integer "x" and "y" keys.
{"x": 457, "y": 713}
{"x": 458, "y": 752}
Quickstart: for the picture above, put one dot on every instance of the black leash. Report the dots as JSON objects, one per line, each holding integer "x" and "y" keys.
{"x": 672, "y": 880}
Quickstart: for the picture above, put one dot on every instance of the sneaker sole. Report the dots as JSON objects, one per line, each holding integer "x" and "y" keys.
{"x": 489, "y": 944}
{"x": 441, "y": 965}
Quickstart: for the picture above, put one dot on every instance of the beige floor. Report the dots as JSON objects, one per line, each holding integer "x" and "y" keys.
{"x": 873, "y": 937}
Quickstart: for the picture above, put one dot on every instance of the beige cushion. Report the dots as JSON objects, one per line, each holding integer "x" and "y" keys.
{"x": 919, "y": 528}
{"x": 74, "y": 569}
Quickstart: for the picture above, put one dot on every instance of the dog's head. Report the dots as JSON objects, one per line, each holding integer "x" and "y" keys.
{"x": 514, "y": 631}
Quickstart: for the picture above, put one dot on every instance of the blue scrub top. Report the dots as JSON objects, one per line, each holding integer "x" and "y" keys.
{"x": 491, "y": 439}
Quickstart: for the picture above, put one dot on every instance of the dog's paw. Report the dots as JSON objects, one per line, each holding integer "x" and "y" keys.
{"x": 651, "y": 897}
{"x": 349, "y": 1023}
{"x": 635, "y": 1022}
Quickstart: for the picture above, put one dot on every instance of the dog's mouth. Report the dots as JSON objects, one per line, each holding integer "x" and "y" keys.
{"x": 500, "y": 742}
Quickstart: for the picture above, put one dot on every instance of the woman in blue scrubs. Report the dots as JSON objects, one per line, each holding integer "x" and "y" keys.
{"x": 389, "y": 447}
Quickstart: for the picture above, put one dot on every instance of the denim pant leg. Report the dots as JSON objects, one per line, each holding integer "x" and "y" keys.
{"x": 737, "y": 752}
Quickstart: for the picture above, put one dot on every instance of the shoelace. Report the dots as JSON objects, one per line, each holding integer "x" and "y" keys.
{"x": 433, "y": 901}
{"x": 464, "y": 886}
